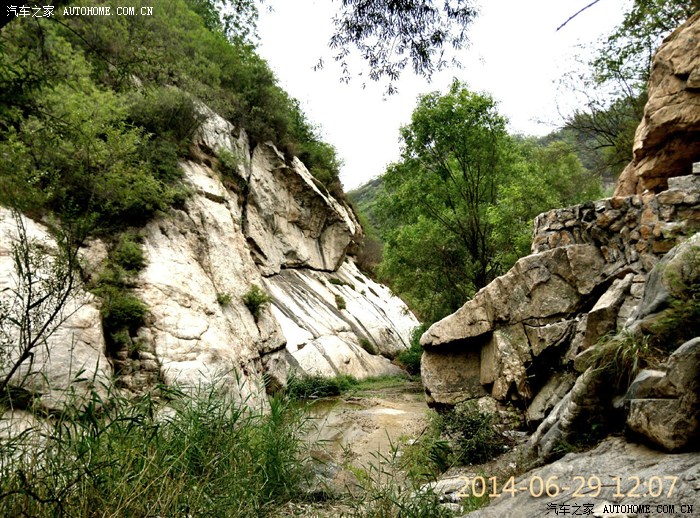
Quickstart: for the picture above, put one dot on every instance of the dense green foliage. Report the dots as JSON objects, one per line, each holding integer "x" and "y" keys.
{"x": 206, "y": 456}
{"x": 96, "y": 111}
{"x": 410, "y": 358}
{"x": 474, "y": 434}
{"x": 313, "y": 386}
{"x": 458, "y": 207}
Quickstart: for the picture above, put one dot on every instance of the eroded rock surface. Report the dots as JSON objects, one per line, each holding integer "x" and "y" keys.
{"x": 667, "y": 141}
{"x": 71, "y": 363}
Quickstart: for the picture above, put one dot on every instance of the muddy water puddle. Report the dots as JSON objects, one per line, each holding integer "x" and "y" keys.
{"x": 361, "y": 429}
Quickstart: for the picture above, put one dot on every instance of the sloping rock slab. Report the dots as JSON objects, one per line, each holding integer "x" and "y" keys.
{"x": 676, "y": 477}
{"x": 548, "y": 284}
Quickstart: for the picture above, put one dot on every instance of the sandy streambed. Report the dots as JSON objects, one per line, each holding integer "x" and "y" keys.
{"x": 363, "y": 427}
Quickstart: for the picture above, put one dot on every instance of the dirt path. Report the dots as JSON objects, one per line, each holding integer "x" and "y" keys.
{"x": 363, "y": 427}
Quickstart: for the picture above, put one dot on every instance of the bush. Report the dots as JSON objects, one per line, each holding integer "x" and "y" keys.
{"x": 410, "y": 358}
{"x": 340, "y": 302}
{"x": 121, "y": 311}
{"x": 475, "y": 434}
{"x": 228, "y": 163}
{"x": 315, "y": 386}
{"x": 256, "y": 299}
{"x": 223, "y": 299}
{"x": 128, "y": 254}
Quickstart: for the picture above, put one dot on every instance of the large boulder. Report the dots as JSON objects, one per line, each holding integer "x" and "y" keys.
{"x": 550, "y": 284}
{"x": 667, "y": 140}
{"x": 665, "y": 409}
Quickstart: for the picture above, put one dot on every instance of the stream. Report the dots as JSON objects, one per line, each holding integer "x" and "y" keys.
{"x": 359, "y": 427}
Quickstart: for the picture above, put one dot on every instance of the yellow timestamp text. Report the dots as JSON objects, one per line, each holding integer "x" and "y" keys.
{"x": 578, "y": 487}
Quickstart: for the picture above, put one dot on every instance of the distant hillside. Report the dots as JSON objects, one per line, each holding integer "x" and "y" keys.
{"x": 364, "y": 200}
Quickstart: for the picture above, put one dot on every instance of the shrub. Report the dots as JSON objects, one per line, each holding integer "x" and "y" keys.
{"x": 128, "y": 253}
{"x": 256, "y": 299}
{"x": 228, "y": 163}
{"x": 410, "y": 358}
{"x": 475, "y": 434}
{"x": 340, "y": 302}
{"x": 121, "y": 310}
{"x": 315, "y": 386}
{"x": 223, "y": 299}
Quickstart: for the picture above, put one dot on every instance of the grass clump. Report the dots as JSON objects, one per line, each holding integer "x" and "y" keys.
{"x": 340, "y": 302}
{"x": 315, "y": 386}
{"x": 622, "y": 356}
{"x": 206, "y": 456}
{"x": 255, "y": 300}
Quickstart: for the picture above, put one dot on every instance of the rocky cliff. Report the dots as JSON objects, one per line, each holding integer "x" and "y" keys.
{"x": 266, "y": 223}
{"x": 596, "y": 331}
{"x": 667, "y": 141}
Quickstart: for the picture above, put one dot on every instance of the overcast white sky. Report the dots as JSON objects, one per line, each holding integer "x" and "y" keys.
{"x": 515, "y": 54}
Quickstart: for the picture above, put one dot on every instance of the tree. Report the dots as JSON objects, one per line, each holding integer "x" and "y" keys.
{"x": 544, "y": 177}
{"x": 457, "y": 210}
{"x": 391, "y": 35}
{"x": 454, "y": 158}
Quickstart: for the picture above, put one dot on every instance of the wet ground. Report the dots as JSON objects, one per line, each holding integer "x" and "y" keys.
{"x": 363, "y": 427}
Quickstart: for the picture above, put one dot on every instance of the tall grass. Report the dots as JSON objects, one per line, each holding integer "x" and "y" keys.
{"x": 202, "y": 456}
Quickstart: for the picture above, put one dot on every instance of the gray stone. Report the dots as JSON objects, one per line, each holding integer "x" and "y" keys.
{"x": 453, "y": 376}
{"x": 549, "y": 396}
{"x": 602, "y": 319}
{"x": 548, "y": 335}
{"x": 611, "y": 458}
{"x": 690, "y": 182}
{"x": 664, "y": 408}
{"x": 657, "y": 288}
{"x": 645, "y": 385}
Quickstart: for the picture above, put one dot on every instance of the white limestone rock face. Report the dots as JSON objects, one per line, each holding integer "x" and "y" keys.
{"x": 289, "y": 221}
{"x": 327, "y": 339}
{"x": 193, "y": 256}
{"x": 263, "y": 222}
{"x": 76, "y": 350}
